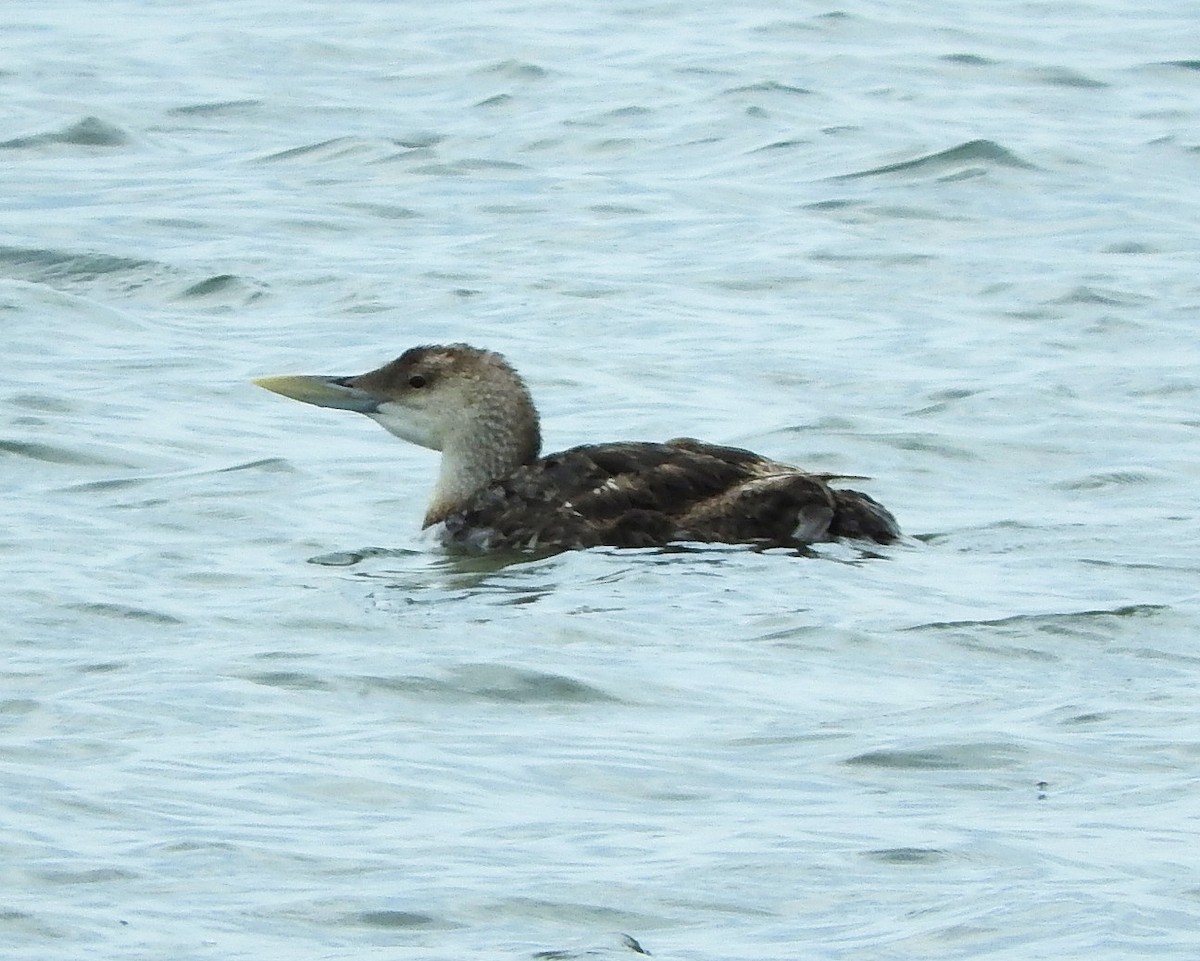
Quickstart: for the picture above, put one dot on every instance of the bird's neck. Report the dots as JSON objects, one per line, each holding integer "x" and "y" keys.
{"x": 473, "y": 460}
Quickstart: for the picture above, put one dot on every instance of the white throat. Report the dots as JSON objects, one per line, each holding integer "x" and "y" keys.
{"x": 420, "y": 427}
{"x": 463, "y": 473}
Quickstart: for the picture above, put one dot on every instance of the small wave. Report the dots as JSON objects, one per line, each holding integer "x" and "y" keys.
{"x": 143, "y": 479}
{"x": 88, "y": 132}
{"x": 1131, "y": 247}
{"x": 925, "y": 443}
{"x": 126, "y": 613}
{"x": 1085, "y": 294}
{"x": 221, "y": 108}
{"x": 290, "y": 680}
{"x": 770, "y": 87}
{"x": 469, "y": 682}
{"x": 223, "y": 288}
{"x": 31, "y": 263}
{"x": 950, "y": 757}
{"x": 343, "y": 913}
{"x": 1048, "y": 623}
{"x": 348, "y": 558}
{"x": 969, "y": 59}
{"x": 624, "y": 942}
{"x": 95, "y": 876}
{"x": 956, "y": 160}
{"x": 336, "y": 148}
{"x": 782, "y": 145}
{"x": 468, "y": 166}
{"x": 43, "y": 403}
{"x": 515, "y": 70}
{"x": 1099, "y": 480}
{"x": 62, "y": 269}
{"x": 499, "y": 100}
{"x": 498, "y": 683}
{"x": 53, "y": 454}
{"x": 1062, "y": 77}
{"x": 908, "y": 855}
{"x": 419, "y": 141}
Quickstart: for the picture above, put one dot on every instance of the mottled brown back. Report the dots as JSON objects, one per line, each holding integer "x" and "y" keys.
{"x": 648, "y": 494}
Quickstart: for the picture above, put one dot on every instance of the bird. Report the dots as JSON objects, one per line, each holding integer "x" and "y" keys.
{"x": 495, "y": 491}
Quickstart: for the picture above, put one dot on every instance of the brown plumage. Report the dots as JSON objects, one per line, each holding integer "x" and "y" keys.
{"x": 494, "y": 492}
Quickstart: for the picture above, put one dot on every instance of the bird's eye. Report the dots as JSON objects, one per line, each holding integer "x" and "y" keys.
{"x": 416, "y": 380}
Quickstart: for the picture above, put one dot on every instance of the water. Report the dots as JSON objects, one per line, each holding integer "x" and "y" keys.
{"x": 248, "y": 712}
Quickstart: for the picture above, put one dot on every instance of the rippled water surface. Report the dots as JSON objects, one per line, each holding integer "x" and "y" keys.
{"x": 248, "y": 712}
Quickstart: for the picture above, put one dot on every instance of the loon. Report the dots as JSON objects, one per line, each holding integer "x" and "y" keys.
{"x": 495, "y": 492}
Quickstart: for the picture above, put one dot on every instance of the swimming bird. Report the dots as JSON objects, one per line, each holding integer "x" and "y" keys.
{"x": 495, "y": 491}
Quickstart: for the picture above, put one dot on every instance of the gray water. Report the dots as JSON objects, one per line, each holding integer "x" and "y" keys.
{"x": 248, "y": 712}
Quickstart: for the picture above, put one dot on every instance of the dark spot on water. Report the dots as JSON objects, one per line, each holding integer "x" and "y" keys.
{"x": 1061, "y": 77}
{"x": 103, "y": 667}
{"x": 618, "y": 210}
{"x": 394, "y": 919}
{"x": 915, "y": 760}
{"x": 908, "y": 855}
{"x": 289, "y": 680}
{"x": 832, "y": 205}
{"x": 968, "y": 59}
{"x": 1130, "y": 247}
{"x": 1092, "y": 718}
{"x": 385, "y": 211}
{"x": 93, "y": 132}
